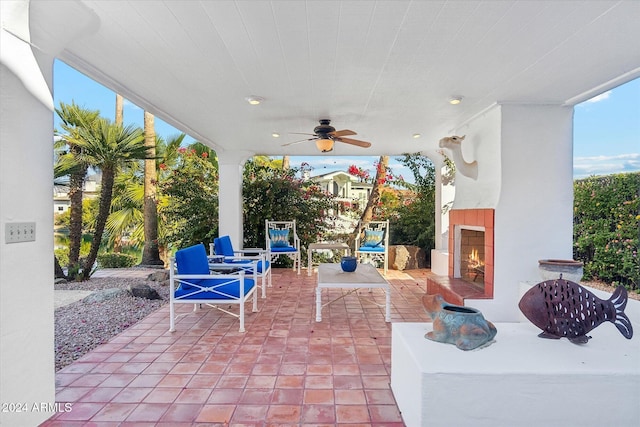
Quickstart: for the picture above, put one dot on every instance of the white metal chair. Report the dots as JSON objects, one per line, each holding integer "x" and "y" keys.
{"x": 193, "y": 283}
{"x": 222, "y": 246}
{"x": 282, "y": 239}
{"x": 372, "y": 241}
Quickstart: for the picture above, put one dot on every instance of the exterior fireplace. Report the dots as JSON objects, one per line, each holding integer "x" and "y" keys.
{"x": 471, "y": 234}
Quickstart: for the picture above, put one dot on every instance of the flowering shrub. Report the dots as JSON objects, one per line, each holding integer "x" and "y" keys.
{"x": 606, "y": 228}
{"x": 188, "y": 203}
{"x": 359, "y": 172}
{"x": 276, "y": 194}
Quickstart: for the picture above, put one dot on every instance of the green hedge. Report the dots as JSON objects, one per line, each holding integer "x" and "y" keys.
{"x": 606, "y": 230}
{"x": 116, "y": 260}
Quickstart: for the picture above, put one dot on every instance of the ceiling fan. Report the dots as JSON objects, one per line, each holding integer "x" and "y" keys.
{"x": 325, "y": 135}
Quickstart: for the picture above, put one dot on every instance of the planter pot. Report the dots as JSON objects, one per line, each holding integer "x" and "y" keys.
{"x": 349, "y": 264}
{"x": 567, "y": 269}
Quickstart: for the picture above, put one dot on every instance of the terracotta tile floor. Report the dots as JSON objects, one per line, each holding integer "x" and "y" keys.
{"x": 286, "y": 369}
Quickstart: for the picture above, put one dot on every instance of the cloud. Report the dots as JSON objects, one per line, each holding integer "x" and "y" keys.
{"x": 127, "y": 103}
{"x": 605, "y": 165}
{"x": 598, "y": 98}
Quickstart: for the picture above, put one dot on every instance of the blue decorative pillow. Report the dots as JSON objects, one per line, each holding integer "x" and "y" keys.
{"x": 372, "y": 238}
{"x": 279, "y": 238}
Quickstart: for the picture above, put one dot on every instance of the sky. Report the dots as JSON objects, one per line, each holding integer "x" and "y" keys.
{"x": 606, "y": 128}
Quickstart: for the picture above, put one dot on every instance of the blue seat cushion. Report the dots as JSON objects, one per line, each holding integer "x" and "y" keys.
{"x": 222, "y": 246}
{"x": 231, "y": 288}
{"x": 372, "y": 238}
{"x": 192, "y": 260}
{"x": 279, "y": 238}
{"x": 283, "y": 249}
{"x": 371, "y": 249}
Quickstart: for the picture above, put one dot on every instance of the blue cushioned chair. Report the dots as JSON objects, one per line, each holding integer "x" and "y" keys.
{"x": 282, "y": 239}
{"x": 222, "y": 246}
{"x": 372, "y": 242}
{"x": 192, "y": 283}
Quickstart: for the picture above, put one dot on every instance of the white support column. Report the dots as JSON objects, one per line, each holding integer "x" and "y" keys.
{"x": 439, "y": 256}
{"x": 230, "y": 165}
{"x": 438, "y": 204}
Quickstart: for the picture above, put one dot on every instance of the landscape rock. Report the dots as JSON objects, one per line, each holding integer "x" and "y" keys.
{"x": 142, "y": 290}
{"x": 159, "y": 276}
{"x": 406, "y": 257}
{"x": 104, "y": 295}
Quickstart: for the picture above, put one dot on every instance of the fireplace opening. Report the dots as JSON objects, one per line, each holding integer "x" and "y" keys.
{"x": 469, "y": 254}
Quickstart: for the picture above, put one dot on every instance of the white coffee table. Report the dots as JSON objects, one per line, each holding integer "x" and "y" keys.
{"x": 324, "y": 245}
{"x": 365, "y": 276}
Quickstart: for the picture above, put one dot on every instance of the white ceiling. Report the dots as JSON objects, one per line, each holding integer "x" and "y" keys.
{"x": 384, "y": 69}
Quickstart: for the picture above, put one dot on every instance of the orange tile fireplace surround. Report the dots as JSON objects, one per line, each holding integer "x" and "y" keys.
{"x": 454, "y": 289}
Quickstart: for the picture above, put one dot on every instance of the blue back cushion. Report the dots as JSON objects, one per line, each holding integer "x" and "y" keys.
{"x": 279, "y": 238}
{"x": 372, "y": 238}
{"x": 222, "y": 246}
{"x": 192, "y": 260}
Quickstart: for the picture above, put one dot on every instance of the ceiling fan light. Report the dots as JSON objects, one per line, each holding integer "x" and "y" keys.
{"x": 324, "y": 144}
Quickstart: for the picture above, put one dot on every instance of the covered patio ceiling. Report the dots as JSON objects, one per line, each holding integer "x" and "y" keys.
{"x": 384, "y": 69}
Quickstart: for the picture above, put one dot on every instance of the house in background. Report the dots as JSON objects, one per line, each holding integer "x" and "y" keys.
{"x": 346, "y": 188}
{"x": 61, "y": 200}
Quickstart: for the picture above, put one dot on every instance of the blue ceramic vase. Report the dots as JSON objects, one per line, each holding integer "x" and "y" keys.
{"x": 349, "y": 263}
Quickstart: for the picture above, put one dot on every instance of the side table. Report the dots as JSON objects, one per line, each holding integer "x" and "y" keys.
{"x": 325, "y": 245}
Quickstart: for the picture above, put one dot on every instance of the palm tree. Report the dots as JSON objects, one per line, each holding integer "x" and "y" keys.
{"x": 107, "y": 147}
{"x": 119, "y": 120}
{"x": 150, "y": 252}
{"x": 127, "y": 214}
{"x": 68, "y": 163}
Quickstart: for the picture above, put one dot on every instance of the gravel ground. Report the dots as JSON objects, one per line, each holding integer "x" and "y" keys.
{"x": 80, "y": 326}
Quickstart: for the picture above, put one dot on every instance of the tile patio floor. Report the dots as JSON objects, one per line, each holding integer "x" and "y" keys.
{"x": 286, "y": 369}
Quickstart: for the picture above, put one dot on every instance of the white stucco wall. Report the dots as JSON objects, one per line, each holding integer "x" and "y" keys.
{"x": 533, "y": 216}
{"x": 482, "y": 144}
{"x": 26, "y": 269}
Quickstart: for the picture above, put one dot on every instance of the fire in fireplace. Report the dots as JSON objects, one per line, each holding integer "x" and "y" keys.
{"x": 472, "y": 255}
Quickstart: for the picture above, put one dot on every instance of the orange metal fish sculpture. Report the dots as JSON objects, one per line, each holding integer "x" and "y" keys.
{"x": 565, "y": 309}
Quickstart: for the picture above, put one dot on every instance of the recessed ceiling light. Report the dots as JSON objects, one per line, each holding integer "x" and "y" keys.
{"x": 275, "y": 135}
{"x": 254, "y": 100}
{"x": 455, "y": 100}
{"x": 416, "y": 135}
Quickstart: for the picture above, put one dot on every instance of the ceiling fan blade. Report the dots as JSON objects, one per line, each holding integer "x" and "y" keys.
{"x": 357, "y": 142}
{"x": 300, "y": 133}
{"x": 343, "y": 132}
{"x": 298, "y": 142}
